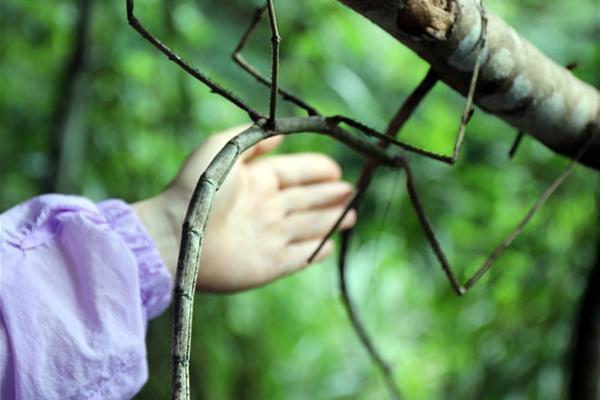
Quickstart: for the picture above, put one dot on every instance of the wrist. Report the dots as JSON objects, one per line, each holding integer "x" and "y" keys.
{"x": 163, "y": 223}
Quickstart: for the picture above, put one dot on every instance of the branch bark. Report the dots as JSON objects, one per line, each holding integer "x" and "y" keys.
{"x": 518, "y": 83}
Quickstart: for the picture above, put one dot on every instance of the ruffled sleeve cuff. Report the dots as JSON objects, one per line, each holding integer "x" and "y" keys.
{"x": 155, "y": 280}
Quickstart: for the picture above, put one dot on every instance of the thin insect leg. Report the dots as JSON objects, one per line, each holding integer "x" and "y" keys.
{"x": 429, "y": 233}
{"x": 357, "y": 324}
{"x": 402, "y": 115}
{"x": 410, "y": 104}
{"x": 516, "y": 143}
{"x": 246, "y": 66}
{"x": 353, "y": 203}
{"x": 275, "y": 40}
{"x": 572, "y": 66}
{"x": 436, "y": 247}
{"x": 336, "y": 119}
{"x": 519, "y": 228}
{"x": 465, "y": 117}
{"x": 212, "y": 85}
{"x": 258, "y": 14}
{"x": 468, "y": 110}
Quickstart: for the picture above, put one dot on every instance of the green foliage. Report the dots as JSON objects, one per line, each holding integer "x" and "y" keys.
{"x": 141, "y": 115}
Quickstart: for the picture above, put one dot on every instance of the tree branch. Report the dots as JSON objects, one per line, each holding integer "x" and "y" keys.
{"x": 518, "y": 83}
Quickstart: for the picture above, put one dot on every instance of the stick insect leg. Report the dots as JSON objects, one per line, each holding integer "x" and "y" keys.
{"x": 517, "y": 230}
{"x": 275, "y": 40}
{"x": 487, "y": 264}
{"x": 399, "y": 119}
{"x": 464, "y": 120}
{"x": 516, "y": 143}
{"x": 468, "y": 109}
{"x": 246, "y": 66}
{"x": 357, "y": 324}
{"x": 212, "y": 85}
{"x": 337, "y": 119}
{"x": 429, "y": 233}
{"x": 394, "y": 127}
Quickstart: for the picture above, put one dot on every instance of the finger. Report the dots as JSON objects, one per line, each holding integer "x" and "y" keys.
{"x": 303, "y": 168}
{"x": 262, "y": 147}
{"x": 298, "y": 253}
{"x": 306, "y": 225}
{"x": 216, "y": 142}
{"x": 319, "y": 195}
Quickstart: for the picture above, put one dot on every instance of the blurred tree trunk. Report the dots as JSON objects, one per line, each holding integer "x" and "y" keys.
{"x": 584, "y": 379}
{"x": 67, "y": 135}
{"x": 517, "y": 82}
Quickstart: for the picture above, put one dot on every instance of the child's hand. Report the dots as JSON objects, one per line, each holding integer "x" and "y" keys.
{"x": 266, "y": 220}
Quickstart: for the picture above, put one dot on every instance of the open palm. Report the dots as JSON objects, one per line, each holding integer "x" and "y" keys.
{"x": 267, "y": 218}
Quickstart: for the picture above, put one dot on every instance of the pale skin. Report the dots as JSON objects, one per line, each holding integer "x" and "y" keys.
{"x": 267, "y": 218}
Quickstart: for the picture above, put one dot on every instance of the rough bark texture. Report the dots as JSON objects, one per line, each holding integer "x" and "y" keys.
{"x": 518, "y": 83}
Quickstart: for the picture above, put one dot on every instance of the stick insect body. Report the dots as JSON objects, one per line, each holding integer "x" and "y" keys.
{"x": 269, "y": 125}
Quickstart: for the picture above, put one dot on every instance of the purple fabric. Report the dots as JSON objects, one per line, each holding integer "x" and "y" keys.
{"x": 78, "y": 283}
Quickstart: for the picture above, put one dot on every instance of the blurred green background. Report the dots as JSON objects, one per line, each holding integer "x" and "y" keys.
{"x": 118, "y": 122}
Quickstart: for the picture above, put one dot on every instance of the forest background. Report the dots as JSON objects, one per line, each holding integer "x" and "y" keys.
{"x": 88, "y": 107}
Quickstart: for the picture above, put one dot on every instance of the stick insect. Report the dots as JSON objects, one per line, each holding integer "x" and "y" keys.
{"x": 266, "y": 125}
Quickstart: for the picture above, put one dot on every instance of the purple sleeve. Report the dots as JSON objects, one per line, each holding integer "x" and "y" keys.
{"x": 78, "y": 283}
